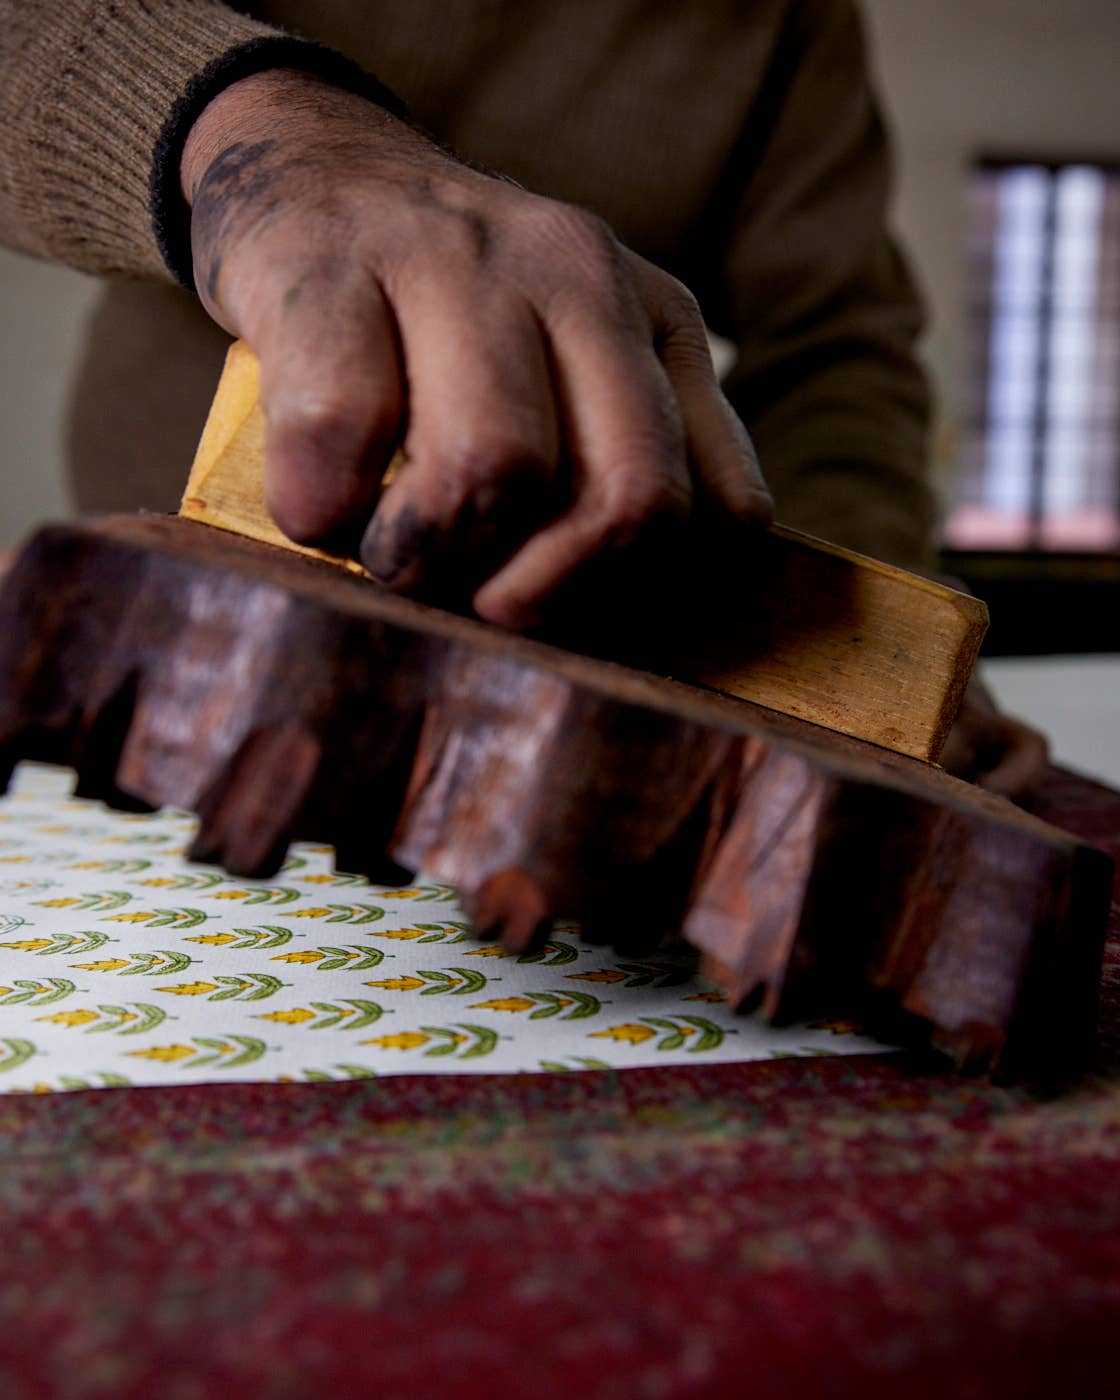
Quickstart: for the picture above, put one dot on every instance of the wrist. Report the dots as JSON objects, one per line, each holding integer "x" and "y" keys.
{"x": 171, "y": 221}
{"x": 266, "y": 106}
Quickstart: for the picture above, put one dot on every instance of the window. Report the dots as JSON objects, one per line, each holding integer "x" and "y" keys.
{"x": 1041, "y": 455}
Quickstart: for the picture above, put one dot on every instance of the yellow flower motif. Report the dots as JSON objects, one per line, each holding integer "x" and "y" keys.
{"x": 317, "y": 879}
{"x": 87, "y": 865}
{"x": 308, "y": 914}
{"x": 164, "y": 1054}
{"x": 232, "y": 894}
{"x": 631, "y": 1033}
{"x": 138, "y": 916}
{"x": 305, "y": 955}
{"x": 29, "y": 945}
{"x": 218, "y": 939}
{"x": 105, "y": 965}
{"x": 289, "y": 1018}
{"x": 55, "y": 830}
{"x": 504, "y": 1004}
{"x": 402, "y": 1040}
{"x": 604, "y": 974}
{"x": 405, "y": 933}
{"x": 190, "y": 989}
{"x": 707, "y": 996}
{"x": 491, "y": 951}
{"x": 157, "y": 880}
{"x": 13, "y": 860}
{"x": 71, "y": 1018}
{"x": 57, "y": 903}
{"x": 399, "y": 984}
{"x": 5, "y": 990}
{"x": 402, "y": 894}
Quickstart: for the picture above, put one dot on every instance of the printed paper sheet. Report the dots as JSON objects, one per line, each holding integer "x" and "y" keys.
{"x": 122, "y": 964}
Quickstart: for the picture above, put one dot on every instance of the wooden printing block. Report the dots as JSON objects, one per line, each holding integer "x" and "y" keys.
{"x": 281, "y": 698}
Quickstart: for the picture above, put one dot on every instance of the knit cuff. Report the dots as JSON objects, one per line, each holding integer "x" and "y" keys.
{"x": 86, "y": 89}
{"x": 170, "y": 211}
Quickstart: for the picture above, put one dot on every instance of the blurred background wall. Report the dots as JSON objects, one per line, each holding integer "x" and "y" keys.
{"x": 963, "y": 77}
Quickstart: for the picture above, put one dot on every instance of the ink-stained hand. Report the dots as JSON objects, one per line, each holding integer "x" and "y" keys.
{"x": 551, "y": 391}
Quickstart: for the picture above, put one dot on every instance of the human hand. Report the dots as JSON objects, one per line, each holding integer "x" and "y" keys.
{"x": 993, "y": 749}
{"x": 551, "y": 391}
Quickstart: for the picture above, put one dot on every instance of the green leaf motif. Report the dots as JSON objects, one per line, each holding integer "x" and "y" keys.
{"x": 480, "y": 1040}
{"x": 162, "y": 918}
{"x": 568, "y": 1006}
{"x": 142, "y": 1018}
{"x": 446, "y": 931}
{"x": 38, "y": 993}
{"x": 354, "y": 914}
{"x": 117, "y": 867}
{"x": 650, "y": 974}
{"x": 262, "y": 937}
{"x": 106, "y": 899}
{"x": 189, "y": 880}
{"x": 710, "y": 1035}
{"x": 275, "y": 894}
{"x": 320, "y": 1076}
{"x": 157, "y": 962}
{"x": 338, "y": 1017}
{"x": 551, "y": 954}
{"x": 229, "y": 1052}
{"x": 108, "y": 1081}
{"x": 584, "y": 1061}
{"x": 249, "y": 986}
{"x": 709, "y": 1038}
{"x": 82, "y": 942}
{"x": 19, "y": 1052}
{"x": 139, "y": 838}
{"x": 430, "y": 894}
{"x": 459, "y": 981}
{"x": 355, "y": 958}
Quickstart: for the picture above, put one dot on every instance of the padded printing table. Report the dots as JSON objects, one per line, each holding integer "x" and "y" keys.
{"x": 839, "y": 1226}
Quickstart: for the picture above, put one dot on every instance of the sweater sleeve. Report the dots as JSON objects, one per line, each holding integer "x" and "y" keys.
{"x": 96, "y": 100}
{"x": 821, "y": 305}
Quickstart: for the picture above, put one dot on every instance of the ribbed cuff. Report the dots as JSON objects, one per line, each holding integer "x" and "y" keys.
{"x": 170, "y": 211}
{"x": 86, "y": 89}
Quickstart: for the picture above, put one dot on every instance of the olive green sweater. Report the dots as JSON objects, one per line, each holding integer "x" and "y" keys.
{"x": 735, "y": 142}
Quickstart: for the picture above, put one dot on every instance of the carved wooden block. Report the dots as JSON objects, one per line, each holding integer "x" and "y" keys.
{"x": 280, "y": 698}
{"x": 789, "y": 622}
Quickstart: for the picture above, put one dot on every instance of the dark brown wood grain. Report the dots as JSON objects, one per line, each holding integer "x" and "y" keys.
{"x": 170, "y": 663}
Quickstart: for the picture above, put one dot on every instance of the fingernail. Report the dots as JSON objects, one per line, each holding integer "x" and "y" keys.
{"x": 390, "y": 547}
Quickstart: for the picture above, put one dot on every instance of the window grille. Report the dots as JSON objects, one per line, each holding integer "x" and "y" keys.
{"x": 1041, "y": 450}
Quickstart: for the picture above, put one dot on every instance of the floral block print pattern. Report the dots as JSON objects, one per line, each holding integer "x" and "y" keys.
{"x": 122, "y": 964}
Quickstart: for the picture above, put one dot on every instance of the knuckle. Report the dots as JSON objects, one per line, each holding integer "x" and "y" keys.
{"x": 314, "y": 416}
{"x": 634, "y": 500}
{"x": 482, "y": 461}
{"x": 333, "y": 423}
{"x": 679, "y": 304}
{"x": 582, "y": 241}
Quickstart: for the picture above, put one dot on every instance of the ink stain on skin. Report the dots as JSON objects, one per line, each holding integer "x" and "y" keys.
{"x": 389, "y": 548}
{"x": 241, "y": 186}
